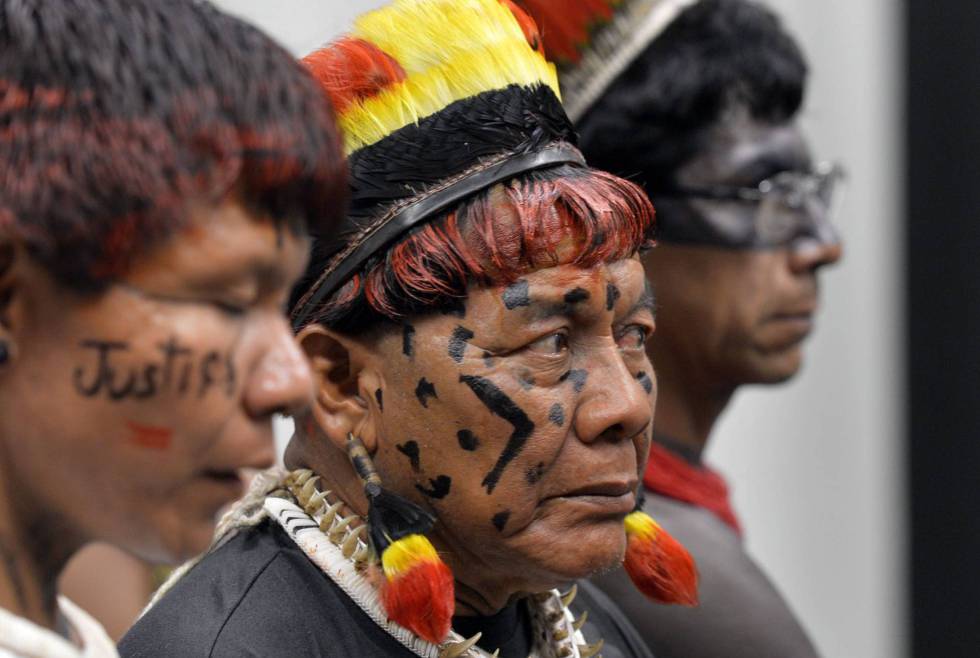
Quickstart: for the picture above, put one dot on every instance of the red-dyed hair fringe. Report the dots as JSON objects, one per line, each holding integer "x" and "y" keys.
{"x": 89, "y": 191}
{"x": 581, "y": 217}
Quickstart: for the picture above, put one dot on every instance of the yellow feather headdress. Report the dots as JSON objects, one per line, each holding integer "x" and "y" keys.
{"x": 481, "y": 47}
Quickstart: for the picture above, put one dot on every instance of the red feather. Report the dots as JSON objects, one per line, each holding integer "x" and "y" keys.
{"x": 658, "y": 564}
{"x": 421, "y": 599}
{"x": 352, "y": 70}
{"x": 566, "y": 27}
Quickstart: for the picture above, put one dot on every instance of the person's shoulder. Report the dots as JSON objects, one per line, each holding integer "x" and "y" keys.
{"x": 258, "y": 595}
{"x": 189, "y": 619}
{"x": 741, "y": 613}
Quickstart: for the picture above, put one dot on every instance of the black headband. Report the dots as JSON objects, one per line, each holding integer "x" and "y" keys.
{"x": 403, "y": 217}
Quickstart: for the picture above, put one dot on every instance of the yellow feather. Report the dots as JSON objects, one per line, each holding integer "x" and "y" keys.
{"x": 450, "y": 50}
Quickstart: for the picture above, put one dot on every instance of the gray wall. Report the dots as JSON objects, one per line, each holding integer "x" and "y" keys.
{"x": 816, "y": 463}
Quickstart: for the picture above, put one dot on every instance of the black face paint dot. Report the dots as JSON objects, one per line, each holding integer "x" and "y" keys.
{"x": 439, "y": 487}
{"x": 526, "y": 381}
{"x": 534, "y": 474}
{"x": 408, "y": 340}
{"x": 557, "y": 414}
{"x": 411, "y": 450}
{"x": 501, "y": 405}
{"x": 457, "y": 343}
{"x": 467, "y": 440}
{"x": 645, "y": 381}
{"x": 612, "y": 296}
{"x": 455, "y": 306}
{"x": 380, "y": 398}
{"x": 517, "y": 294}
{"x": 500, "y": 519}
{"x": 424, "y": 391}
{"x": 488, "y": 359}
{"x": 578, "y": 378}
{"x": 576, "y": 295}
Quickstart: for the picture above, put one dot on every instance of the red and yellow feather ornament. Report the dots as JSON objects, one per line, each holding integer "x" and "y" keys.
{"x": 417, "y": 588}
{"x": 658, "y": 564}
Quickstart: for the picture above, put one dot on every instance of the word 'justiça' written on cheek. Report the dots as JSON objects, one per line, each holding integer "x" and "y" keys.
{"x": 179, "y": 371}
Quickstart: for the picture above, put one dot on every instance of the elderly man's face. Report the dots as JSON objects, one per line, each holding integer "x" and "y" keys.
{"x": 733, "y": 316}
{"x": 522, "y": 420}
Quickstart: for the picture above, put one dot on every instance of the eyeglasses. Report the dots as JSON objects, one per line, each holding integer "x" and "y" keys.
{"x": 785, "y": 207}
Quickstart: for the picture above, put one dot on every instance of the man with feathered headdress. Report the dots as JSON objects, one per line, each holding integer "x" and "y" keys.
{"x": 483, "y": 396}
{"x": 696, "y": 101}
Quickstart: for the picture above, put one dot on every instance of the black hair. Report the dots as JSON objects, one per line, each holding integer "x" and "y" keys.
{"x": 716, "y": 55}
{"x": 115, "y": 113}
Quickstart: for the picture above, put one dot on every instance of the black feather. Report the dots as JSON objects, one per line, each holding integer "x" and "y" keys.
{"x": 392, "y": 517}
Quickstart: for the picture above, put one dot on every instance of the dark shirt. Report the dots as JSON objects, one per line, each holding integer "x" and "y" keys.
{"x": 260, "y": 596}
{"x": 741, "y": 614}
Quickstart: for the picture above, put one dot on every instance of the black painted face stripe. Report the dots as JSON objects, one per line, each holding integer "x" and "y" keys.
{"x": 408, "y": 340}
{"x": 500, "y": 405}
{"x": 458, "y": 341}
{"x": 411, "y": 450}
{"x": 424, "y": 391}
{"x": 645, "y": 381}
{"x": 576, "y": 295}
{"x": 612, "y": 296}
{"x": 517, "y": 294}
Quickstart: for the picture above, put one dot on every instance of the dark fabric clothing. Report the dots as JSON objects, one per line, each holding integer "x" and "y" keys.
{"x": 741, "y": 614}
{"x": 259, "y": 596}
{"x": 509, "y": 630}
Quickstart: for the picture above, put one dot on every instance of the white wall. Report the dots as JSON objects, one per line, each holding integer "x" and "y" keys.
{"x": 817, "y": 463}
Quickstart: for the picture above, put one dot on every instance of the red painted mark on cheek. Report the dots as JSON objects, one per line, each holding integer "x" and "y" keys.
{"x": 151, "y": 438}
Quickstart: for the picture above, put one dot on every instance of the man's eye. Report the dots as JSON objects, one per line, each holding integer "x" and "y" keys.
{"x": 234, "y": 310}
{"x": 633, "y": 337}
{"x": 553, "y": 344}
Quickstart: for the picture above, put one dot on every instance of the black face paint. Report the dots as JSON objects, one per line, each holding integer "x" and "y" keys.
{"x": 408, "y": 340}
{"x": 526, "y": 380}
{"x": 424, "y": 391}
{"x": 500, "y": 405}
{"x": 379, "y": 397}
{"x": 533, "y": 475}
{"x": 645, "y": 381}
{"x": 517, "y": 294}
{"x": 557, "y": 414}
{"x": 488, "y": 359}
{"x": 577, "y": 378}
{"x": 467, "y": 440}
{"x": 411, "y": 450}
{"x": 612, "y": 296}
{"x": 500, "y": 519}
{"x": 576, "y": 295}
{"x": 439, "y": 487}
{"x": 455, "y": 306}
{"x": 457, "y": 343}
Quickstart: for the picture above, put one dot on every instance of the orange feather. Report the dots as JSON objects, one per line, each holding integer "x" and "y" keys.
{"x": 658, "y": 564}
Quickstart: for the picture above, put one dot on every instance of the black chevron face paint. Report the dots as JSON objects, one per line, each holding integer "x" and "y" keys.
{"x": 501, "y": 405}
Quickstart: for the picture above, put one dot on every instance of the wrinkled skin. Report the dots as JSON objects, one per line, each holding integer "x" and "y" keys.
{"x": 150, "y": 470}
{"x": 569, "y": 365}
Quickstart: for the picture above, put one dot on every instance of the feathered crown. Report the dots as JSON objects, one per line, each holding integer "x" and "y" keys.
{"x": 593, "y": 41}
{"x": 438, "y": 99}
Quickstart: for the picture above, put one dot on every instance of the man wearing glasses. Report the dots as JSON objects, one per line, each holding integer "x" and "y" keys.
{"x": 705, "y": 117}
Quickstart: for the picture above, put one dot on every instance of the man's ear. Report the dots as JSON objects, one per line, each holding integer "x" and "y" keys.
{"x": 342, "y": 379}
